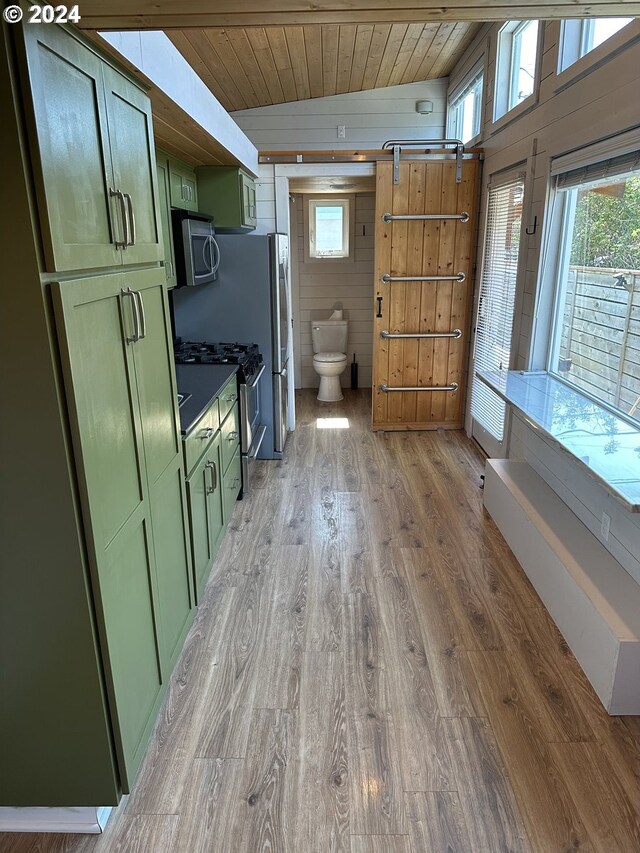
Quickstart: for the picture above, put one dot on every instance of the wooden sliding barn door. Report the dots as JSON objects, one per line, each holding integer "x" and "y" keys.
{"x": 435, "y": 311}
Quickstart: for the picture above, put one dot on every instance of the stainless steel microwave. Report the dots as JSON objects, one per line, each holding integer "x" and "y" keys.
{"x": 197, "y": 253}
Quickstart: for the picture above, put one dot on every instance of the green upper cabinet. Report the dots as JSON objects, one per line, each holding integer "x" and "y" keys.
{"x": 116, "y": 356}
{"x": 183, "y": 186}
{"x": 229, "y": 195}
{"x": 93, "y": 156}
{"x": 162, "y": 171}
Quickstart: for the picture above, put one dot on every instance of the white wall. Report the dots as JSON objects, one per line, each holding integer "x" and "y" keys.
{"x": 370, "y": 118}
{"x": 321, "y": 286}
{"x": 600, "y": 101}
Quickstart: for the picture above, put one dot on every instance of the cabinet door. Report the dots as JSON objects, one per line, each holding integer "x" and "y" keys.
{"x": 157, "y": 396}
{"x": 204, "y": 489}
{"x": 80, "y": 220}
{"x": 134, "y": 166}
{"x": 94, "y": 320}
{"x": 201, "y": 544}
{"x": 162, "y": 171}
{"x": 248, "y": 190}
{"x": 183, "y": 186}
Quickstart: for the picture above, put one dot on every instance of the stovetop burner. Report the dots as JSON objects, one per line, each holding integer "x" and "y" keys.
{"x": 201, "y": 352}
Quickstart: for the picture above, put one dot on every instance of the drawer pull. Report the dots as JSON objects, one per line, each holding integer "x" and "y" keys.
{"x": 231, "y": 399}
{"x": 207, "y": 433}
{"x": 235, "y": 483}
{"x": 233, "y": 436}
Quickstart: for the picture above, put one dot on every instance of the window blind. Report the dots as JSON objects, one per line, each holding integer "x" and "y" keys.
{"x": 599, "y": 171}
{"x": 494, "y": 322}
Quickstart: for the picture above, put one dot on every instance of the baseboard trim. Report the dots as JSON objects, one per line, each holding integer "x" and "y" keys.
{"x": 90, "y": 820}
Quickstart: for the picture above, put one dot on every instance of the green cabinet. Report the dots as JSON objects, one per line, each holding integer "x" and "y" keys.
{"x": 204, "y": 492}
{"x": 229, "y": 195}
{"x": 183, "y": 186}
{"x": 164, "y": 202}
{"x": 117, "y": 361}
{"x": 92, "y": 146}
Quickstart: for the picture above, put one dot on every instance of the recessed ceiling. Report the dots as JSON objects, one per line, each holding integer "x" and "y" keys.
{"x": 259, "y": 66}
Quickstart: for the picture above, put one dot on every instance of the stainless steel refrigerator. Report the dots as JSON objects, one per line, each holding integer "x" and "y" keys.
{"x": 249, "y": 303}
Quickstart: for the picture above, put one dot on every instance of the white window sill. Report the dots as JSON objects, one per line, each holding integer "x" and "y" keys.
{"x": 575, "y": 423}
{"x": 514, "y": 113}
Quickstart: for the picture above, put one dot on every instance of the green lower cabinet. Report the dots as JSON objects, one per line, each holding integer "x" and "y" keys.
{"x": 204, "y": 491}
{"x": 114, "y": 336}
{"x": 231, "y": 485}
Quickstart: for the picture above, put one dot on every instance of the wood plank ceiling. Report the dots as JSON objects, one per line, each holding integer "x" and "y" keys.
{"x": 258, "y": 66}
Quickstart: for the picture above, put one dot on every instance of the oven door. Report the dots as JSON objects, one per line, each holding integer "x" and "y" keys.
{"x": 250, "y": 411}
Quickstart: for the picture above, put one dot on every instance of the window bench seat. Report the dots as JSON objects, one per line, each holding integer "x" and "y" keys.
{"x": 594, "y": 602}
{"x": 605, "y": 445}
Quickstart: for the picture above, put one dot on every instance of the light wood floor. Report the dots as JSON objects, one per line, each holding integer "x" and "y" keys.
{"x": 371, "y": 672}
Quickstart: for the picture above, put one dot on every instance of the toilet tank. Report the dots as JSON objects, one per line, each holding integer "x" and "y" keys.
{"x": 329, "y": 335}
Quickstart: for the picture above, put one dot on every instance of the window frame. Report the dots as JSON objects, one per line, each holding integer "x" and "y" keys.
{"x": 459, "y": 93}
{"x": 546, "y": 332}
{"x": 502, "y": 113}
{"x": 324, "y": 199}
{"x": 312, "y": 205}
{"x": 569, "y": 35}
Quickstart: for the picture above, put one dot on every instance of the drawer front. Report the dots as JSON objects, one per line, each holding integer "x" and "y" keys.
{"x": 228, "y": 397}
{"x": 229, "y": 437}
{"x": 231, "y": 484}
{"x": 201, "y": 437}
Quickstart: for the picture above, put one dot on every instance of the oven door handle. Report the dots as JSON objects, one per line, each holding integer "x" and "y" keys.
{"x": 256, "y": 378}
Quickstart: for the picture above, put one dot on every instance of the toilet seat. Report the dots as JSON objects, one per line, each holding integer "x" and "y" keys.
{"x": 329, "y": 357}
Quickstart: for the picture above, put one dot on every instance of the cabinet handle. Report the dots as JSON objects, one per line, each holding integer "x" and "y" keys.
{"x": 121, "y": 244}
{"x": 233, "y": 436}
{"x": 132, "y": 220}
{"x": 208, "y": 432}
{"x": 235, "y": 483}
{"x": 131, "y": 339}
{"x": 143, "y": 318}
{"x": 231, "y": 399}
{"x": 214, "y": 477}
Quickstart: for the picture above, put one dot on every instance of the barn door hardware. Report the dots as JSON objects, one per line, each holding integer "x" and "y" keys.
{"x": 379, "y": 300}
{"x": 386, "y": 278}
{"x": 534, "y": 229}
{"x": 455, "y": 334}
{"x": 419, "y": 217}
{"x": 387, "y": 388}
{"x": 396, "y": 145}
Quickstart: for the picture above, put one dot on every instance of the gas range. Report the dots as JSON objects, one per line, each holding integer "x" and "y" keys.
{"x": 246, "y": 356}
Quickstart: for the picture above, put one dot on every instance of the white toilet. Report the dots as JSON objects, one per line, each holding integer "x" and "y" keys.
{"x": 329, "y": 338}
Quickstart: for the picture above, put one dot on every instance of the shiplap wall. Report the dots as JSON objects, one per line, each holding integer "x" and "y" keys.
{"x": 594, "y": 101}
{"x": 370, "y": 118}
{"x": 321, "y": 286}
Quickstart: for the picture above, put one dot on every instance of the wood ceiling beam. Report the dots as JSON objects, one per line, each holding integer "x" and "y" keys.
{"x": 185, "y": 14}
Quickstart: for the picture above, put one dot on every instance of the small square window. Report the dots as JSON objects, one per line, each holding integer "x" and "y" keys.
{"x": 465, "y": 110}
{"x": 516, "y": 66}
{"x": 329, "y": 228}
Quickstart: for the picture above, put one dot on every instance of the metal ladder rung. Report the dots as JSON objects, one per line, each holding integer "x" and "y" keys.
{"x": 428, "y": 217}
{"x": 456, "y": 333}
{"x": 386, "y": 278}
{"x": 387, "y": 388}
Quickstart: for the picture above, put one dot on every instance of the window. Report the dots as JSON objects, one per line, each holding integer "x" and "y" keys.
{"x": 581, "y": 37}
{"x": 465, "y": 110}
{"x": 516, "y": 68}
{"x": 496, "y": 302}
{"x": 595, "y": 335}
{"x": 329, "y": 228}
